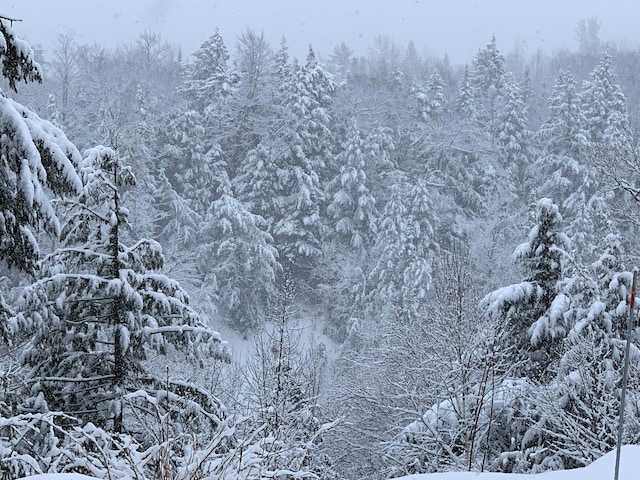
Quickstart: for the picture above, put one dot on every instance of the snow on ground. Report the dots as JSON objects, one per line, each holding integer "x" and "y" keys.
{"x": 601, "y": 469}
{"x": 308, "y": 328}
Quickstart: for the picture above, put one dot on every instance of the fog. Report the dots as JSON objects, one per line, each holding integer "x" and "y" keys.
{"x": 456, "y": 28}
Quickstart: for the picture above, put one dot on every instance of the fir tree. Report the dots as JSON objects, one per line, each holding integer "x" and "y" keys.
{"x": 354, "y": 207}
{"x": 304, "y": 151}
{"x": 487, "y": 71}
{"x": 583, "y": 397}
{"x": 565, "y": 141}
{"x": 405, "y": 247}
{"x": 99, "y": 306}
{"x": 523, "y": 306}
{"x": 465, "y": 104}
{"x": 193, "y": 159}
{"x": 37, "y": 157}
{"x": 435, "y": 90}
{"x": 239, "y": 263}
{"x": 209, "y": 78}
{"x": 37, "y": 161}
{"x": 512, "y": 134}
{"x": 605, "y": 107}
{"x": 564, "y": 130}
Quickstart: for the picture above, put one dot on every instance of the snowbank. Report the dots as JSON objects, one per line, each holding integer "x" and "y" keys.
{"x": 601, "y": 469}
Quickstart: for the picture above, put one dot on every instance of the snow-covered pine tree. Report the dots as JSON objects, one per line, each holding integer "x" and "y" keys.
{"x": 176, "y": 222}
{"x": 303, "y": 146}
{"x": 251, "y": 107}
{"x": 209, "y": 78}
{"x": 465, "y": 103}
{"x": 488, "y": 68}
{"x": 437, "y": 100}
{"x": 38, "y": 161}
{"x": 582, "y": 399}
{"x": 37, "y": 158}
{"x": 512, "y": 135}
{"x": 430, "y": 100}
{"x": 282, "y": 67}
{"x": 605, "y": 107}
{"x": 99, "y": 306}
{"x": 564, "y": 131}
{"x": 422, "y": 221}
{"x": 588, "y": 201}
{"x": 521, "y": 306}
{"x": 353, "y": 207}
{"x": 487, "y": 71}
{"x": 565, "y": 139}
{"x": 387, "y": 273}
{"x": 238, "y": 261}
{"x": 192, "y": 159}
{"x": 404, "y": 248}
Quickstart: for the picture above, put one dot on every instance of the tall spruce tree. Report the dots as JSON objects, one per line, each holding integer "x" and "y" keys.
{"x": 37, "y": 161}
{"x": 238, "y": 261}
{"x": 100, "y": 306}
{"x": 605, "y": 107}
{"x": 353, "y": 207}
{"x": 521, "y": 306}
{"x": 37, "y": 157}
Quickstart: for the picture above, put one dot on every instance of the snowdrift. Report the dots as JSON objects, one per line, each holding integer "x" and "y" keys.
{"x": 601, "y": 469}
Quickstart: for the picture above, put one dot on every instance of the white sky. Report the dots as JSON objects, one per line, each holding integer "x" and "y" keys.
{"x": 456, "y": 27}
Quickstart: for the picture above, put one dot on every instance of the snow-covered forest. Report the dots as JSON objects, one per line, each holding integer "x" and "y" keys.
{"x": 420, "y": 267}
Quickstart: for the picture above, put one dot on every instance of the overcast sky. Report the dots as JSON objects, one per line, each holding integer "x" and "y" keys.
{"x": 455, "y": 27}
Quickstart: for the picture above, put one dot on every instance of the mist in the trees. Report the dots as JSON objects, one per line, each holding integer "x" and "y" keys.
{"x": 420, "y": 265}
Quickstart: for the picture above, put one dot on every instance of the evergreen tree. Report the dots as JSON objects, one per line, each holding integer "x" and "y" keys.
{"x": 258, "y": 181}
{"x": 354, "y": 207}
{"x": 564, "y": 130}
{"x": 193, "y": 160}
{"x": 99, "y": 306}
{"x": 435, "y": 90}
{"x": 523, "y": 306}
{"x": 239, "y": 263}
{"x": 282, "y": 68}
{"x": 605, "y": 107}
{"x": 37, "y": 158}
{"x": 37, "y": 161}
{"x": 488, "y": 68}
{"x": 487, "y": 71}
{"x": 301, "y": 145}
{"x": 405, "y": 247}
{"x": 251, "y": 107}
{"x": 512, "y": 134}
{"x": 565, "y": 140}
{"x": 431, "y": 102}
{"x": 465, "y": 104}
{"x": 209, "y": 79}
{"x": 583, "y": 397}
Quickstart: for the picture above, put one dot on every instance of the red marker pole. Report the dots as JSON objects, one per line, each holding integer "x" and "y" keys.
{"x": 625, "y": 372}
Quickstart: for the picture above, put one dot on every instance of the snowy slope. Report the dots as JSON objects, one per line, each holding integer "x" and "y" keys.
{"x": 601, "y": 469}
